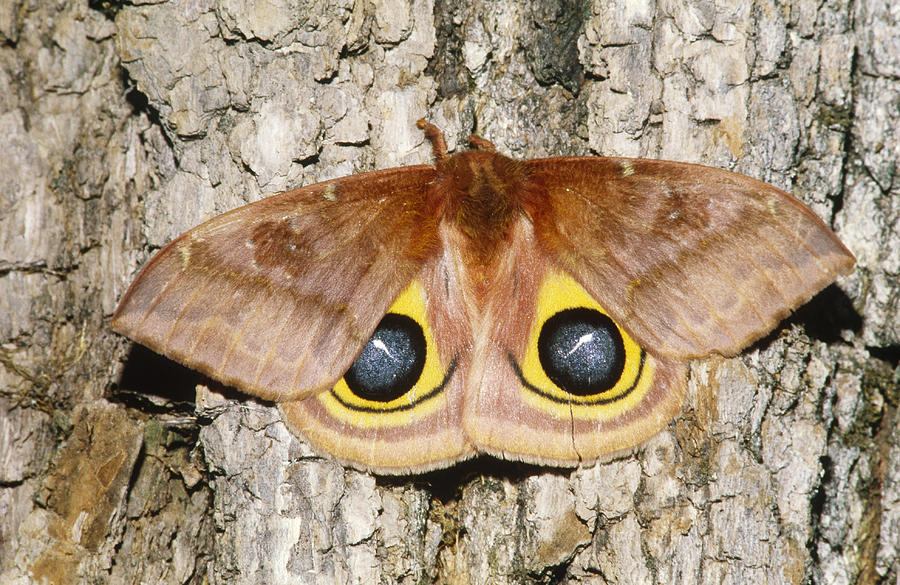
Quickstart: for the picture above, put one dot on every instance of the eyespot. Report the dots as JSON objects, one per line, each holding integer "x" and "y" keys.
{"x": 398, "y": 376}
{"x": 391, "y": 361}
{"x": 581, "y": 351}
{"x": 579, "y": 362}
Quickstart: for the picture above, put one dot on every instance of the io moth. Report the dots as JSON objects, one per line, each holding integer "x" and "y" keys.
{"x": 540, "y": 310}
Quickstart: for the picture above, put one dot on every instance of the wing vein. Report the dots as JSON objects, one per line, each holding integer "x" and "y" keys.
{"x": 268, "y": 356}
{"x": 239, "y": 334}
{"x": 157, "y": 298}
{"x": 196, "y": 293}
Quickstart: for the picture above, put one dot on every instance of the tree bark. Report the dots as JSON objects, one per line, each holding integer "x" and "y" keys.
{"x": 123, "y": 125}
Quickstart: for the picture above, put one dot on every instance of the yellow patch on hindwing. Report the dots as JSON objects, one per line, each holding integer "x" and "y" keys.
{"x": 424, "y": 397}
{"x": 558, "y": 293}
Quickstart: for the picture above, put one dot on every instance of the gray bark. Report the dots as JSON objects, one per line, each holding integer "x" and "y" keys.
{"x": 123, "y": 125}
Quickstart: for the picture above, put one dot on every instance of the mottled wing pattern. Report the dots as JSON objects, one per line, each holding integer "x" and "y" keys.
{"x": 278, "y": 297}
{"x": 689, "y": 259}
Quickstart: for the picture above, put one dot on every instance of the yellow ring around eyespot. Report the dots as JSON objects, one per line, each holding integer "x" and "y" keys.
{"x": 559, "y": 292}
{"x": 425, "y": 397}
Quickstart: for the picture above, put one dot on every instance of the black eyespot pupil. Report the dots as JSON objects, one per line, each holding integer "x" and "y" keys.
{"x": 581, "y": 351}
{"x": 391, "y": 361}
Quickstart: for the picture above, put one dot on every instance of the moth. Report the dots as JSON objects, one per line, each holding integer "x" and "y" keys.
{"x": 541, "y": 310}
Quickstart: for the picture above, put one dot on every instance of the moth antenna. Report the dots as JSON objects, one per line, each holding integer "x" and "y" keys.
{"x": 481, "y": 143}
{"x": 434, "y": 134}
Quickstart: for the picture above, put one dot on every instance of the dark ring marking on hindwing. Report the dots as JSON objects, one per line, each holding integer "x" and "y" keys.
{"x": 596, "y": 400}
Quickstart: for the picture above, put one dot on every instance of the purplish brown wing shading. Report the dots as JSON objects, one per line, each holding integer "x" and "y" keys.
{"x": 689, "y": 259}
{"x": 278, "y": 297}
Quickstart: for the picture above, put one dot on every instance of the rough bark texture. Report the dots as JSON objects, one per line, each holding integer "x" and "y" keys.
{"x": 122, "y": 125}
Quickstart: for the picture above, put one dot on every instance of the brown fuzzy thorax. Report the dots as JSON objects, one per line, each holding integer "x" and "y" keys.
{"x": 481, "y": 191}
